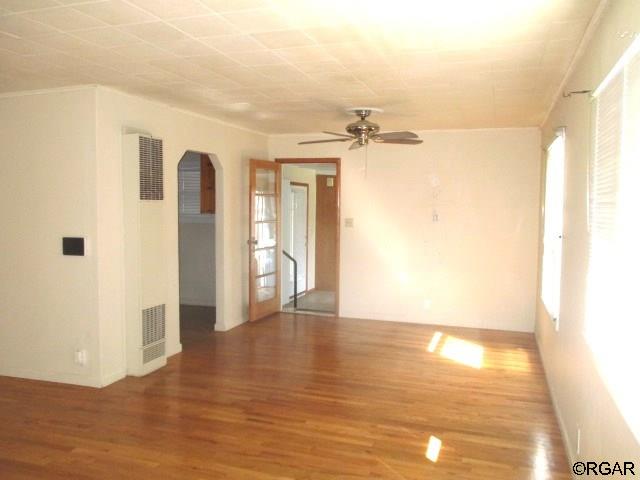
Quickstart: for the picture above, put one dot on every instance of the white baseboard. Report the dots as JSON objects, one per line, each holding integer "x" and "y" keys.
{"x": 174, "y": 349}
{"x": 57, "y": 377}
{"x": 434, "y": 322}
{"x": 113, "y": 377}
{"x": 226, "y": 327}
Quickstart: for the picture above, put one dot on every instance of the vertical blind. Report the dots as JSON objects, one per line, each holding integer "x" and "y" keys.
{"x": 553, "y": 215}
{"x": 612, "y": 323}
{"x": 189, "y": 186}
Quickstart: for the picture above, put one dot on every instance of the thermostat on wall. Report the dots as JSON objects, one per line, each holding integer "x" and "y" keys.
{"x": 73, "y": 246}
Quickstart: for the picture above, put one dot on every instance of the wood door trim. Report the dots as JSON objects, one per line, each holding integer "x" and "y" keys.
{"x": 306, "y": 247}
{"x": 336, "y": 161}
{"x": 254, "y": 312}
{"x": 207, "y": 185}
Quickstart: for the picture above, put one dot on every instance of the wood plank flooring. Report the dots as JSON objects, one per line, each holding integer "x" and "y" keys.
{"x": 299, "y": 397}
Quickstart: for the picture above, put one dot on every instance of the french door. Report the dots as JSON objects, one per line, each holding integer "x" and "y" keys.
{"x": 264, "y": 241}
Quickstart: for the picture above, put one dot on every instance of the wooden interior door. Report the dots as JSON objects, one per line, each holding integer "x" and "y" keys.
{"x": 264, "y": 243}
{"x": 326, "y": 232}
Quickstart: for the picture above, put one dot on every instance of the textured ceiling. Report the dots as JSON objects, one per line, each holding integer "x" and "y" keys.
{"x": 284, "y": 66}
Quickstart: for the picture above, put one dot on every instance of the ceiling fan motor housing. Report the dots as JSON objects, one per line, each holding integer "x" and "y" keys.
{"x": 362, "y": 130}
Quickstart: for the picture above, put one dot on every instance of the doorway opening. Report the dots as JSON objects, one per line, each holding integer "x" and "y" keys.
{"x": 196, "y": 247}
{"x": 310, "y": 235}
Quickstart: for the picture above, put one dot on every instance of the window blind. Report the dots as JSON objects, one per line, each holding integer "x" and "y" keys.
{"x": 612, "y": 319}
{"x": 606, "y": 161}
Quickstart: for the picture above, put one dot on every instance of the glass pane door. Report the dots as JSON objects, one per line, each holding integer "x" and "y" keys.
{"x": 264, "y": 242}
{"x": 265, "y": 235}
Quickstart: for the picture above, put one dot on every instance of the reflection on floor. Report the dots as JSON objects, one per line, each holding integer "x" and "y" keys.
{"x": 315, "y": 301}
{"x": 196, "y": 323}
{"x": 300, "y": 397}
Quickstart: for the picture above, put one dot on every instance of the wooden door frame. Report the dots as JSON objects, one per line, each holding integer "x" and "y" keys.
{"x": 336, "y": 161}
{"x": 255, "y": 313}
{"x": 306, "y": 247}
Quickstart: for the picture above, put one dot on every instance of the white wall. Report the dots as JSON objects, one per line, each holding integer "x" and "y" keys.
{"x": 580, "y": 394}
{"x": 197, "y": 263}
{"x": 61, "y": 176}
{"x": 477, "y": 265}
{"x": 48, "y": 305}
{"x": 180, "y": 131}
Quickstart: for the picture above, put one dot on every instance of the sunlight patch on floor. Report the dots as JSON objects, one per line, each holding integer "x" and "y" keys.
{"x": 433, "y": 449}
{"x": 435, "y": 340}
{"x": 460, "y": 351}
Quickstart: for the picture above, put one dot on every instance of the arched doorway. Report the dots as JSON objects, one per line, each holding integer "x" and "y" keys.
{"x": 198, "y": 219}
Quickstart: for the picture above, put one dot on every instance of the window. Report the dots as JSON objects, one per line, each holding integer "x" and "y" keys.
{"x": 196, "y": 187}
{"x": 553, "y": 212}
{"x": 612, "y": 321}
{"x": 189, "y": 185}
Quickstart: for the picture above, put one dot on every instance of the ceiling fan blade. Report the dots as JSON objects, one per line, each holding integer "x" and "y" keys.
{"x": 338, "y": 134}
{"x": 395, "y": 135}
{"x": 326, "y": 141}
{"x": 355, "y": 145}
{"x": 403, "y": 141}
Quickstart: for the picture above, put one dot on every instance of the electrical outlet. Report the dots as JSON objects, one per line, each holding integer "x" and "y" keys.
{"x": 348, "y": 222}
{"x": 80, "y": 357}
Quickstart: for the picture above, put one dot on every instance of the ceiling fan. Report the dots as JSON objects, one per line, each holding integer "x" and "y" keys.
{"x": 363, "y": 130}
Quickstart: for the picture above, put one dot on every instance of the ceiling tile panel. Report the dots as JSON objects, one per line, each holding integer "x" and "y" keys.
{"x": 255, "y": 21}
{"x": 205, "y": 26}
{"x": 154, "y": 32}
{"x": 292, "y": 65}
{"x": 167, "y": 9}
{"x": 65, "y": 19}
{"x": 107, "y": 37}
{"x": 115, "y": 12}
{"x": 284, "y": 39}
{"x": 235, "y": 5}
{"x": 229, "y": 44}
{"x": 26, "y": 5}
{"x": 23, "y": 27}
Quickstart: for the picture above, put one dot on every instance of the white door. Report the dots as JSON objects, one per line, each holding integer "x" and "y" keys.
{"x": 287, "y": 267}
{"x": 299, "y": 223}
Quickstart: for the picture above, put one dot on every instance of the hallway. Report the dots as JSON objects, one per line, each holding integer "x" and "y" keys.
{"x": 319, "y": 301}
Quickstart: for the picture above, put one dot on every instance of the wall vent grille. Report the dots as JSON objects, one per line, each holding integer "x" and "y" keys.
{"x": 153, "y": 352}
{"x": 153, "y": 325}
{"x": 151, "y": 165}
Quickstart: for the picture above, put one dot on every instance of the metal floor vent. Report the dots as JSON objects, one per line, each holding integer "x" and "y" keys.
{"x": 153, "y": 333}
{"x": 153, "y": 352}
{"x": 151, "y": 164}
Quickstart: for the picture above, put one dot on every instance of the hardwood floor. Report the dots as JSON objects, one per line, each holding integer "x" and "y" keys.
{"x": 197, "y": 324}
{"x": 299, "y": 397}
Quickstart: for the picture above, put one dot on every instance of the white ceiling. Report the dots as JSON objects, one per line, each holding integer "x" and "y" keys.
{"x": 284, "y": 66}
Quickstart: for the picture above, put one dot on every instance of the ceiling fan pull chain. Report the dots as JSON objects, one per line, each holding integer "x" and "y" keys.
{"x": 366, "y": 159}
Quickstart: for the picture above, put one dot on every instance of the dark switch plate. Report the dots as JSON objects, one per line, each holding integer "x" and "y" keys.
{"x": 73, "y": 246}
